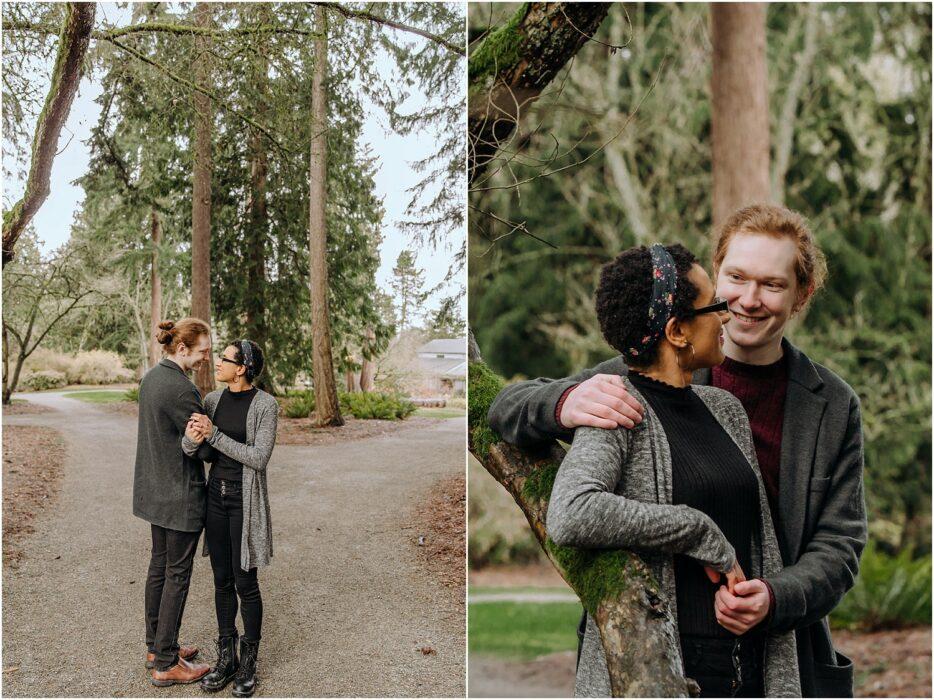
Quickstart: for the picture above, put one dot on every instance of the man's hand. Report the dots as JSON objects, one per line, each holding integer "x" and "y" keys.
{"x": 744, "y": 610}
{"x": 601, "y": 402}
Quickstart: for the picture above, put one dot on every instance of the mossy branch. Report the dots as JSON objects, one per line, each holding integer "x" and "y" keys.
{"x": 66, "y": 76}
{"x": 515, "y": 63}
{"x": 162, "y": 28}
{"x": 615, "y": 587}
{"x": 370, "y": 17}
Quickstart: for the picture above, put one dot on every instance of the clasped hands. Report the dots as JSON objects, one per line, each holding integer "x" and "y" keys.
{"x": 740, "y": 604}
{"x": 199, "y": 428}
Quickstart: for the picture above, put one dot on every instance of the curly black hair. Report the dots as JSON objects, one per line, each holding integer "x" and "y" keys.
{"x": 256, "y": 368}
{"x": 624, "y": 294}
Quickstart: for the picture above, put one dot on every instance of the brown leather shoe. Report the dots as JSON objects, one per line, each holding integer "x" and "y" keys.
{"x": 185, "y": 652}
{"x": 182, "y": 672}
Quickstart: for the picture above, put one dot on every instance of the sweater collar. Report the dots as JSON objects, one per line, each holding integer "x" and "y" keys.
{"x": 800, "y": 369}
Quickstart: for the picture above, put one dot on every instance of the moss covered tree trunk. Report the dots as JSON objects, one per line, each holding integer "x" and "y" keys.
{"x": 639, "y": 637}
{"x": 514, "y": 63}
{"x": 739, "y": 120}
{"x": 66, "y": 76}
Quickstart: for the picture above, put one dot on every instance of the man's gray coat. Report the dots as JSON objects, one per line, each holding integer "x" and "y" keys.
{"x": 168, "y": 485}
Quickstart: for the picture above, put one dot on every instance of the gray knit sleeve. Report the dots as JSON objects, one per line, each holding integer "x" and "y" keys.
{"x": 255, "y": 456}
{"x": 585, "y": 512}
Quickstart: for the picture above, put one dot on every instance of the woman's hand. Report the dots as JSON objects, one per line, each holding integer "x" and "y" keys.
{"x": 193, "y": 433}
{"x": 733, "y": 576}
{"x": 202, "y": 423}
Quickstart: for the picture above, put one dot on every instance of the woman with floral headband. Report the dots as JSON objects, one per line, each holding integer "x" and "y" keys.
{"x": 684, "y": 488}
{"x": 240, "y": 427}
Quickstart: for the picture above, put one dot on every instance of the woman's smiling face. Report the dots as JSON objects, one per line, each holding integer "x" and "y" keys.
{"x": 704, "y": 331}
{"x": 227, "y": 368}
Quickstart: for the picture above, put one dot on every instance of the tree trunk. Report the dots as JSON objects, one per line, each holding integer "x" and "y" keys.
{"x": 6, "y": 365}
{"x": 201, "y": 193}
{"x": 739, "y": 108}
{"x": 639, "y": 635}
{"x": 258, "y": 227}
{"x": 155, "y": 294}
{"x": 327, "y": 409}
{"x": 69, "y": 65}
{"x": 509, "y": 70}
{"x": 368, "y": 367}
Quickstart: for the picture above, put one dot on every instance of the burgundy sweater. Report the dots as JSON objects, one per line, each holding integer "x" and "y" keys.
{"x": 761, "y": 389}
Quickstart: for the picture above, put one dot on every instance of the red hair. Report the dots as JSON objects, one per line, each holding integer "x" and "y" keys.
{"x": 186, "y": 331}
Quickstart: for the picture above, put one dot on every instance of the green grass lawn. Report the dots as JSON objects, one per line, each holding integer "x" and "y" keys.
{"x": 440, "y": 412}
{"x": 522, "y": 630}
{"x": 98, "y": 396}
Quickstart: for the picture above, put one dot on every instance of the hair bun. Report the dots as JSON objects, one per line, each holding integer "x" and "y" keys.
{"x": 164, "y": 336}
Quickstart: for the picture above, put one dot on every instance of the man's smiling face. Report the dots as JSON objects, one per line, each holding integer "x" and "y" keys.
{"x": 757, "y": 278}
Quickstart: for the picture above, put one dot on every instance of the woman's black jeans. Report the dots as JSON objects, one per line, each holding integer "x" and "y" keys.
{"x": 725, "y": 668}
{"x": 223, "y": 529}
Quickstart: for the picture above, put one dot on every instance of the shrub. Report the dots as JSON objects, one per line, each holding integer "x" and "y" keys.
{"x": 43, "y": 359}
{"x": 98, "y": 367}
{"x": 457, "y": 402}
{"x": 44, "y": 379}
{"x": 132, "y": 394}
{"x": 298, "y": 404}
{"x": 373, "y": 404}
{"x": 890, "y": 592}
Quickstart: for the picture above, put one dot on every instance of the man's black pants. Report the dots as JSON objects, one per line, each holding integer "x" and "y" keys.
{"x": 167, "y": 583}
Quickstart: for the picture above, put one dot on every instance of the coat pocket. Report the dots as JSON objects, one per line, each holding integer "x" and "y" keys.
{"x": 820, "y": 484}
{"x": 834, "y": 681}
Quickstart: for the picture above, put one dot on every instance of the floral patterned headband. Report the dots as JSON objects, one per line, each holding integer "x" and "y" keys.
{"x": 664, "y": 287}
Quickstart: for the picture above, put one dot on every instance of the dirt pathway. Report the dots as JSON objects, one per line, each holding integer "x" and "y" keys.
{"x": 347, "y": 605}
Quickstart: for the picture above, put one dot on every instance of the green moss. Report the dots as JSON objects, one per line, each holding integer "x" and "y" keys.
{"x": 482, "y": 387}
{"x": 500, "y": 49}
{"x": 595, "y": 574}
{"x": 540, "y": 482}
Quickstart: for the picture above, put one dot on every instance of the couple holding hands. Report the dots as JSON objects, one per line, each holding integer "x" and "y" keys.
{"x": 234, "y": 430}
{"x": 718, "y": 451}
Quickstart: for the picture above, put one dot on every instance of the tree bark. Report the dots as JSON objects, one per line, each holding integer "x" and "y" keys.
{"x": 258, "y": 227}
{"x": 514, "y": 63}
{"x": 201, "y": 194}
{"x": 69, "y": 66}
{"x": 155, "y": 293}
{"x": 368, "y": 367}
{"x": 327, "y": 409}
{"x": 739, "y": 108}
{"x": 639, "y": 635}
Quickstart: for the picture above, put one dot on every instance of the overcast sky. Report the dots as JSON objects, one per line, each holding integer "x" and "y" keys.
{"x": 393, "y": 177}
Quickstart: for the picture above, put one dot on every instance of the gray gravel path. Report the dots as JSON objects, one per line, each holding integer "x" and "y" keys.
{"x": 347, "y": 605}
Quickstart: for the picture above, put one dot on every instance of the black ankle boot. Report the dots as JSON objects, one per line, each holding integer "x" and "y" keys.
{"x": 245, "y": 681}
{"x": 226, "y": 667}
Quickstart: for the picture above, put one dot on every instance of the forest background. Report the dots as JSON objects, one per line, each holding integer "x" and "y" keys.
{"x": 616, "y": 152}
{"x": 240, "y": 79}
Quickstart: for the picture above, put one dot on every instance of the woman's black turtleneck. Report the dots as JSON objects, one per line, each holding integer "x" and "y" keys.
{"x": 709, "y": 473}
{"x": 230, "y": 419}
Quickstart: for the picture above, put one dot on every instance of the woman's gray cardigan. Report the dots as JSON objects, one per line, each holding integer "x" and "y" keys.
{"x": 613, "y": 490}
{"x": 262, "y": 419}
